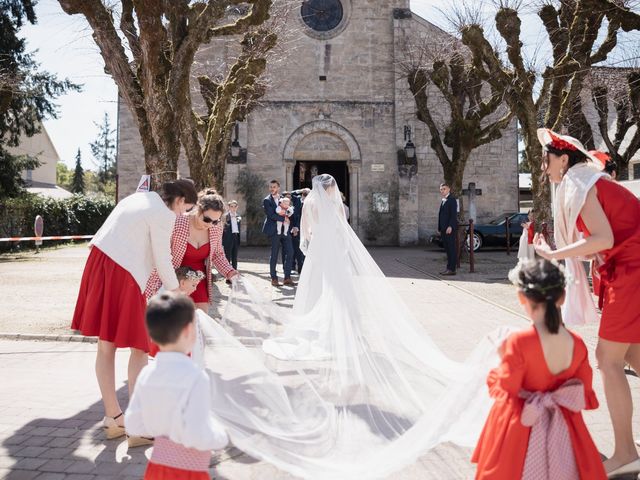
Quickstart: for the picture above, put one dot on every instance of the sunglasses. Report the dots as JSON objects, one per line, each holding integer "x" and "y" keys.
{"x": 206, "y": 219}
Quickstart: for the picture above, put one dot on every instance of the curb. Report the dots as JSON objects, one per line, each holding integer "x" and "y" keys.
{"x": 48, "y": 337}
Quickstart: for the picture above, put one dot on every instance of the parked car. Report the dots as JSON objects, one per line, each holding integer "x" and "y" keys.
{"x": 493, "y": 233}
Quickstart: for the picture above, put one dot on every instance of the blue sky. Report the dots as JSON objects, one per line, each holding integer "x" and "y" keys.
{"x": 65, "y": 47}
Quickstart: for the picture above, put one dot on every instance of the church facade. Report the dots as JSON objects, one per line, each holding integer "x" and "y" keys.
{"x": 339, "y": 104}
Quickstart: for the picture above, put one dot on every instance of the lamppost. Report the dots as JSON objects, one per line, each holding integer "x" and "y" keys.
{"x": 408, "y": 163}
{"x": 409, "y": 148}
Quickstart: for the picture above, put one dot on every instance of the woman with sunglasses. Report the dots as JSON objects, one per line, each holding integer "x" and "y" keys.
{"x": 196, "y": 242}
{"x": 597, "y": 218}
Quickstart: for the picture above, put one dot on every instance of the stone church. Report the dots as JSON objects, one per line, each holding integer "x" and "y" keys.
{"x": 338, "y": 104}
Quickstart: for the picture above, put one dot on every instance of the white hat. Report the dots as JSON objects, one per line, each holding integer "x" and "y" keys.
{"x": 563, "y": 142}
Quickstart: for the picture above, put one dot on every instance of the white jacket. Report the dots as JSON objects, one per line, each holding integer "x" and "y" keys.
{"x": 137, "y": 236}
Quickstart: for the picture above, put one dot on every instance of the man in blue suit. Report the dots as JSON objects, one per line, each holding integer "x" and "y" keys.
{"x": 448, "y": 227}
{"x": 278, "y": 240}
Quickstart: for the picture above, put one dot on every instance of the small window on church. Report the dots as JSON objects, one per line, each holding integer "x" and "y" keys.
{"x": 29, "y": 176}
{"x": 323, "y": 78}
{"x": 636, "y": 171}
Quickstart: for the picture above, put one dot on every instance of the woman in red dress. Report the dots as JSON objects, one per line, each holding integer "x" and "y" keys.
{"x": 535, "y": 429}
{"x": 196, "y": 242}
{"x": 133, "y": 241}
{"x": 596, "y": 217}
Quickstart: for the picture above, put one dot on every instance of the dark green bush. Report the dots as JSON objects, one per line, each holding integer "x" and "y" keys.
{"x": 77, "y": 215}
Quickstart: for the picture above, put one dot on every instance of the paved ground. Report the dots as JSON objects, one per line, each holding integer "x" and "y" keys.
{"x": 49, "y": 402}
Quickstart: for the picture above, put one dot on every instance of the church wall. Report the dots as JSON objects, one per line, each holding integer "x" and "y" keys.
{"x": 364, "y": 95}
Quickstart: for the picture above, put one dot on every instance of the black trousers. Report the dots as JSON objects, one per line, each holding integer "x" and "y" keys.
{"x": 449, "y": 243}
{"x": 231, "y": 250}
{"x": 298, "y": 256}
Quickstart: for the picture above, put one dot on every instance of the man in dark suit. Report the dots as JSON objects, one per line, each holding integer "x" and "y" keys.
{"x": 231, "y": 235}
{"x": 448, "y": 227}
{"x": 269, "y": 228}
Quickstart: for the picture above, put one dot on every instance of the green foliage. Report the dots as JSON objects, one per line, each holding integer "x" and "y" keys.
{"x": 251, "y": 186}
{"x": 77, "y": 215}
{"x": 77, "y": 182}
{"x": 26, "y": 94}
{"x": 103, "y": 150}
{"x": 64, "y": 176}
{"x": 11, "y": 168}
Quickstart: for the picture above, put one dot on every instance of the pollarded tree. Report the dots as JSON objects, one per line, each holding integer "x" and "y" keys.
{"x": 477, "y": 113}
{"x": 573, "y": 28}
{"x": 163, "y": 38}
{"x": 626, "y": 101}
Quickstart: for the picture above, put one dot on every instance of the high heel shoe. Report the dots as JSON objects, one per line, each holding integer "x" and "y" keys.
{"x": 134, "y": 441}
{"x": 111, "y": 427}
{"x": 625, "y": 470}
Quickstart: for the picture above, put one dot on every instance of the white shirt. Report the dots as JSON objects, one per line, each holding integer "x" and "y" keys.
{"x": 172, "y": 399}
{"x": 234, "y": 224}
{"x": 137, "y": 236}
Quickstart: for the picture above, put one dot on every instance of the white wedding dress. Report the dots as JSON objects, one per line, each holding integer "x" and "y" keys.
{"x": 347, "y": 384}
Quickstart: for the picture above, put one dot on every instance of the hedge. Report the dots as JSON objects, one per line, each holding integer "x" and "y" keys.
{"x": 77, "y": 215}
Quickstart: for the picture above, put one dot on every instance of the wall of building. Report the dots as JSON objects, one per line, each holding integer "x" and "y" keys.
{"x": 39, "y": 145}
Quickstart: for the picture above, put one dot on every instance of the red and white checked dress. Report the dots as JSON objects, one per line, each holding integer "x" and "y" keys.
{"x": 179, "y": 240}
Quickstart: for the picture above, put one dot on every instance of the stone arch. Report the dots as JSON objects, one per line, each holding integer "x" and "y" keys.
{"x": 322, "y": 126}
{"x": 340, "y": 137}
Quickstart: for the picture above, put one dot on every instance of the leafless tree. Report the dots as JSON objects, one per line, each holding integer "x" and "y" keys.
{"x": 149, "y": 53}
{"x": 477, "y": 109}
{"x": 572, "y": 28}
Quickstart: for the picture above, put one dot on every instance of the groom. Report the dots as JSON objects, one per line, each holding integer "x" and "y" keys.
{"x": 448, "y": 227}
{"x": 269, "y": 228}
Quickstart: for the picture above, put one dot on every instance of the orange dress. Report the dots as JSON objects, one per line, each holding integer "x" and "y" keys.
{"x": 502, "y": 447}
{"x": 618, "y": 288}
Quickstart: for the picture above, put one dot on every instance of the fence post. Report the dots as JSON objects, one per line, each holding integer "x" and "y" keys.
{"x": 506, "y": 226}
{"x": 38, "y": 229}
{"x": 472, "y": 244}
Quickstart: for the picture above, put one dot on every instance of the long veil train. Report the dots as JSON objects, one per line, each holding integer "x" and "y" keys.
{"x": 347, "y": 384}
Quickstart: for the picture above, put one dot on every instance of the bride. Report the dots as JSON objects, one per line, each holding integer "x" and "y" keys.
{"x": 347, "y": 384}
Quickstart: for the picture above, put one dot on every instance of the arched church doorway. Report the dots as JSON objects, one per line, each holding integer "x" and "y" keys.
{"x": 305, "y": 170}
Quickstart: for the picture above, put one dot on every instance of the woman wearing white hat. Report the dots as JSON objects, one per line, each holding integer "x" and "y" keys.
{"x": 596, "y": 218}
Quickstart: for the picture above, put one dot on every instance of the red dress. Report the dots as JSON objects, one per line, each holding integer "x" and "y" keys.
{"x": 502, "y": 447}
{"x": 110, "y": 304}
{"x": 195, "y": 258}
{"x": 619, "y": 285}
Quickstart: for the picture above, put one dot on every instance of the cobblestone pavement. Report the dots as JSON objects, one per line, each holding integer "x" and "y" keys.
{"x": 50, "y": 406}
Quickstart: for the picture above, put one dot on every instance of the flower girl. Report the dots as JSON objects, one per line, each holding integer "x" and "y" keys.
{"x": 535, "y": 429}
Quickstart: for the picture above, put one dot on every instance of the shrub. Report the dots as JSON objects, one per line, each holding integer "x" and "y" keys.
{"x": 77, "y": 215}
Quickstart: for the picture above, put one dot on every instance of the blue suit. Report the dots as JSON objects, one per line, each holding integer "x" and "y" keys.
{"x": 269, "y": 228}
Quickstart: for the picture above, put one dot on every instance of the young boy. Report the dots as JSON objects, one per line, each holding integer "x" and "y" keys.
{"x": 172, "y": 399}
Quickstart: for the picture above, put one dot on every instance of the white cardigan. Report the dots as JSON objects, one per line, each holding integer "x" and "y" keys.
{"x": 137, "y": 236}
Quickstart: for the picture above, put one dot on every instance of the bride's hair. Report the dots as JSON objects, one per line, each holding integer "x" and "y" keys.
{"x": 326, "y": 180}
